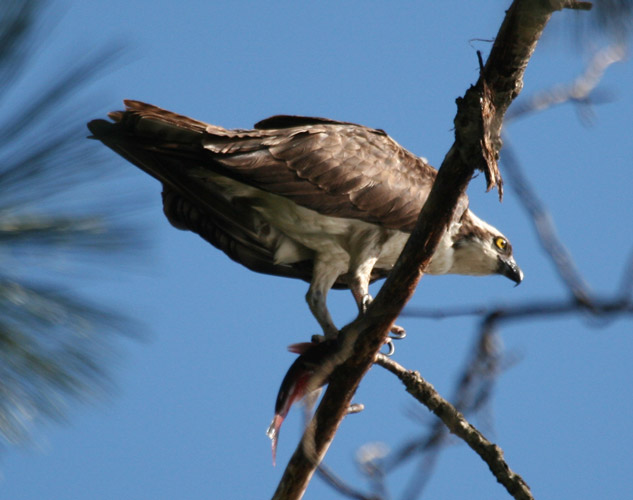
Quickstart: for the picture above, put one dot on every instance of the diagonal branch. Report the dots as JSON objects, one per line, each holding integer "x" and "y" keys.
{"x": 473, "y": 391}
{"x": 477, "y": 143}
{"x": 458, "y": 425}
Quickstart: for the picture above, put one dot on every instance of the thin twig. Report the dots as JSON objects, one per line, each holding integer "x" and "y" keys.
{"x": 599, "y": 307}
{"x": 578, "y": 91}
{"x": 545, "y": 228}
{"x": 341, "y": 486}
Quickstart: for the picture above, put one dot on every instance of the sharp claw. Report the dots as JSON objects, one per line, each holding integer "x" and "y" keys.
{"x": 392, "y": 348}
{"x": 364, "y": 303}
{"x": 397, "y": 333}
{"x": 355, "y": 408}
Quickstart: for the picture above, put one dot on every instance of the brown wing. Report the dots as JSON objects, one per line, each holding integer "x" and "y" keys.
{"x": 335, "y": 168}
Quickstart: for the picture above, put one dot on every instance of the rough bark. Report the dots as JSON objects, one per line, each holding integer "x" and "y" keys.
{"x": 477, "y": 143}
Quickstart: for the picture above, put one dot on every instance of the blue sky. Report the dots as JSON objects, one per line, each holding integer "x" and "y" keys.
{"x": 192, "y": 403}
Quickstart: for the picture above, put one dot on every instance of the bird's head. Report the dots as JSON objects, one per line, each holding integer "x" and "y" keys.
{"x": 480, "y": 249}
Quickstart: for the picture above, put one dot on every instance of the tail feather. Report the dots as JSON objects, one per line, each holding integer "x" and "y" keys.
{"x": 168, "y": 146}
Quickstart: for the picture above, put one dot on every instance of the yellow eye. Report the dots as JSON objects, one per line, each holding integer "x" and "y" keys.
{"x": 501, "y": 243}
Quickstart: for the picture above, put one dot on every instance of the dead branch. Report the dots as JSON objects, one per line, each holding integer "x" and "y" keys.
{"x": 426, "y": 394}
{"x": 477, "y": 143}
{"x": 466, "y": 399}
{"x": 476, "y": 381}
{"x": 473, "y": 391}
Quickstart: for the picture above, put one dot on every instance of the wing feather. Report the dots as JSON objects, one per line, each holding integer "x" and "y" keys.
{"x": 335, "y": 168}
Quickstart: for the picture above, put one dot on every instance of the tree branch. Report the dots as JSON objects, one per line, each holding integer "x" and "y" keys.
{"x": 477, "y": 143}
{"x": 599, "y": 307}
{"x": 473, "y": 391}
{"x": 490, "y": 453}
{"x": 581, "y": 90}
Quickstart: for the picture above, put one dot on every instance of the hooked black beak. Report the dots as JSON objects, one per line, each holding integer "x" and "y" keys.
{"x": 509, "y": 269}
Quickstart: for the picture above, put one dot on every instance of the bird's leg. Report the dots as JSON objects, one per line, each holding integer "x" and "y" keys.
{"x": 362, "y": 298}
{"x": 360, "y": 268}
{"x": 316, "y": 301}
{"x": 323, "y": 277}
{"x": 359, "y": 286}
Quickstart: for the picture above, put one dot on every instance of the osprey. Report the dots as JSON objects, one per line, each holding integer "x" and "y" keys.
{"x": 329, "y": 202}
